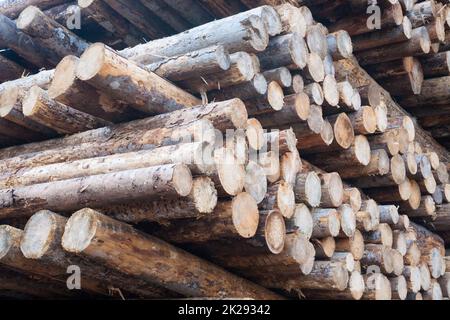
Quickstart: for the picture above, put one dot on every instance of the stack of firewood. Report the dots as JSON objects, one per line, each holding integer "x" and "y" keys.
{"x": 267, "y": 205}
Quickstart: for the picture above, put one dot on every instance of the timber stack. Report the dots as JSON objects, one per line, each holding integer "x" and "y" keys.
{"x": 249, "y": 156}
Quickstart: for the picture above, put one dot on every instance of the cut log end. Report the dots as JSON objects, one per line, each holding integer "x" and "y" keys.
{"x": 255, "y": 134}
{"x": 313, "y": 189}
{"x": 255, "y": 181}
{"x": 38, "y": 234}
{"x": 347, "y": 220}
{"x": 182, "y": 179}
{"x": 286, "y": 199}
{"x": 64, "y": 76}
{"x": 204, "y": 194}
{"x": 398, "y": 169}
{"x": 91, "y": 61}
{"x": 362, "y": 150}
{"x": 231, "y": 171}
{"x": 245, "y": 215}
{"x": 343, "y": 131}
{"x": 275, "y": 232}
{"x": 80, "y": 230}
{"x": 356, "y": 285}
{"x": 302, "y": 106}
{"x": 31, "y": 101}
{"x": 6, "y": 238}
{"x": 275, "y": 96}
{"x": 27, "y": 17}
{"x": 330, "y": 90}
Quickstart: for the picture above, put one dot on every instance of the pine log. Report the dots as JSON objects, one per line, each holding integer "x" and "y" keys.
{"x": 326, "y": 223}
{"x": 413, "y": 278}
{"x": 301, "y": 222}
{"x": 347, "y": 217}
{"x": 49, "y": 33}
{"x": 284, "y": 50}
{"x": 399, "y": 288}
{"x": 280, "y": 196}
{"x": 355, "y": 290}
{"x": 382, "y": 235}
{"x": 354, "y": 245}
{"x": 379, "y": 164}
{"x": 325, "y": 248}
{"x": 67, "y": 89}
{"x": 39, "y": 107}
{"x": 246, "y": 31}
{"x": 332, "y": 190}
{"x": 352, "y": 196}
{"x": 308, "y": 188}
{"x": 418, "y": 44}
{"x": 145, "y": 91}
{"x": 102, "y": 231}
{"x": 72, "y": 194}
{"x": 291, "y": 17}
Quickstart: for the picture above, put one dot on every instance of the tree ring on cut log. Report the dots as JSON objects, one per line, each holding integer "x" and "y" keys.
{"x": 275, "y": 96}
{"x": 381, "y": 116}
{"x": 245, "y": 215}
{"x": 79, "y": 231}
{"x": 38, "y": 234}
{"x": 275, "y": 232}
{"x": 343, "y": 131}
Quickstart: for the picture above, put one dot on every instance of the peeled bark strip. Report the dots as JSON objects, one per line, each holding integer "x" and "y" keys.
{"x": 125, "y": 81}
{"x": 49, "y": 33}
{"x": 88, "y": 232}
{"x": 280, "y": 196}
{"x": 124, "y": 186}
{"x": 326, "y": 223}
{"x": 246, "y": 31}
{"x": 38, "y": 106}
{"x": 307, "y": 188}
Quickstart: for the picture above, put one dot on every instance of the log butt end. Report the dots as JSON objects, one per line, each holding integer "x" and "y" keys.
{"x": 30, "y": 103}
{"x": 38, "y": 234}
{"x": 79, "y": 231}
{"x": 275, "y": 232}
{"x": 245, "y": 215}
{"x": 182, "y": 179}
{"x": 91, "y": 61}
{"x": 64, "y": 76}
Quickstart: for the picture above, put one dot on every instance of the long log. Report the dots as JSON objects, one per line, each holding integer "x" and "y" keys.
{"x": 73, "y": 194}
{"x": 104, "y": 233}
{"x": 49, "y": 33}
{"x": 246, "y": 31}
{"x": 124, "y": 80}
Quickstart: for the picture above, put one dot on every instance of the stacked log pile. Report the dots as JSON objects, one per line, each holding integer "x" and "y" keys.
{"x": 257, "y": 142}
{"x": 407, "y": 53}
